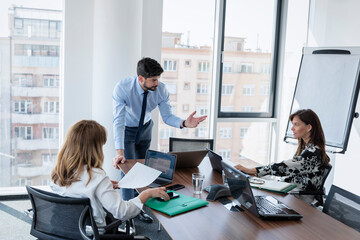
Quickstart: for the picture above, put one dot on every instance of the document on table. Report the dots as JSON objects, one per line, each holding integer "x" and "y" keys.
{"x": 139, "y": 176}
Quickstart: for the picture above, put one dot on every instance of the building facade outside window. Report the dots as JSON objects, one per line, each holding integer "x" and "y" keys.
{"x": 204, "y": 66}
{"x": 170, "y": 65}
{"x": 30, "y": 65}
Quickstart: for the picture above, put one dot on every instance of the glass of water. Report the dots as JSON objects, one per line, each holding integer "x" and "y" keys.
{"x": 225, "y": 182}
{"x": 198, "y": 180}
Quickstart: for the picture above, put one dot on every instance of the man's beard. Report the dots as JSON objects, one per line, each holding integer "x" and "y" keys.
{"x": 149, "y": 89}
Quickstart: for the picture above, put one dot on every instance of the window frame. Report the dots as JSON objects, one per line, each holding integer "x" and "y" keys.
{"x": 274, "y": 69}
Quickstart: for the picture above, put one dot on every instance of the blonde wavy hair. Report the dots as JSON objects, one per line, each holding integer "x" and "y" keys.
{"x": 82, "y": 147}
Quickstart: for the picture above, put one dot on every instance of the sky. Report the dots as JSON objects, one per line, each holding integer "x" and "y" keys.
{"x": 240, "y": 21}
{"x": 195, "y": 19}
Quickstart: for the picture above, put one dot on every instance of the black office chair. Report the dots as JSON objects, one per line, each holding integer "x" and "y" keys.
{"x": 186, "y": 144}
{"x": 343, "y": 206}
{"x": 83, "y": 223}
{"x": 56, "y": 217}
{"x": 319, "y": 194}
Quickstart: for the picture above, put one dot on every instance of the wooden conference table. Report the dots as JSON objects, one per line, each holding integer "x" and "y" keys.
{"x": 214, "y": 221}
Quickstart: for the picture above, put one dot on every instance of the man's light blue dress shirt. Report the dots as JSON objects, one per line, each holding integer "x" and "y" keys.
{"x": 127, "y": 102}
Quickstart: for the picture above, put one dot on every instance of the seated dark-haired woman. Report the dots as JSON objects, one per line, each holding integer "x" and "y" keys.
{"x": 306, "y": 168}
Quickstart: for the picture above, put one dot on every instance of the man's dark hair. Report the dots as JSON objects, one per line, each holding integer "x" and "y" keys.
{"x": 148, "y": 67}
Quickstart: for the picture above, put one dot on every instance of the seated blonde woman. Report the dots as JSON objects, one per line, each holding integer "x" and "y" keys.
{"x": 78, "y": 173}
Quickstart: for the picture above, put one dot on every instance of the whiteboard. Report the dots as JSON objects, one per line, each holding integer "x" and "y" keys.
{"x": 328, "y": 83}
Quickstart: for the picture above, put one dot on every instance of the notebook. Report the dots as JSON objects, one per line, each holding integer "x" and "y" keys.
{"x": 163, "y": 162}
{"x": 266, "y": 207}
{"x": 271, "y": 185}
{"x": 215, "y": 160}
{"x": 189, "y": 159}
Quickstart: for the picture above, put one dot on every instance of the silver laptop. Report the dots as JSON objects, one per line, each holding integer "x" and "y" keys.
{"x": 189, "y": 159}
{"x": 266, "y": 207}
{"x": 163, "y": 162}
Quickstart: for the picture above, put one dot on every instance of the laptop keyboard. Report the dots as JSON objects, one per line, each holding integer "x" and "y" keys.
{"x": 267, "y": 207}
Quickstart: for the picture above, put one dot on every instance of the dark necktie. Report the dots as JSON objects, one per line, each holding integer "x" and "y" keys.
{"x": 142, "y": 116}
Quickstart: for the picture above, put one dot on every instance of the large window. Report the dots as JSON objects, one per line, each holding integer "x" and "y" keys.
{"x": 249, "y": 50}
{"x": 244, "y": 140}
{"x": 30, "y": 43}
{"x": 187, "y": 57}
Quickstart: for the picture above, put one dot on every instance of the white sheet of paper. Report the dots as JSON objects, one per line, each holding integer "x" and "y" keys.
{"x": 139, "y": 176}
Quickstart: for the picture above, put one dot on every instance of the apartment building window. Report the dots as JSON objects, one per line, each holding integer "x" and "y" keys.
{"x": 227, "y": 67}
{"x": 186, "y": 86}
{"x": 225, "y": 154}
{"x": 225, "y": 132}
{"x": 48, "y": 159}
{"x": 202, "y": 88}
{"x": 171, "y": 87}
{"x": 187, "y": 63}
{"x": 185, "y": 107}
{"x": 201, "y": 110}
{"x": 264, "y": 90}
{"x": 227, "y": 89}
{"x": 51, "y": 80}
{"x": 243, "y": 132}
{"x": 203, "y": 66}
{"x": 165, "y": 133}
{"x": 265, "y": 68}
{"x": 170, "y": 65}
{"x": 249, "y": 90}
{"x": 51, "y": 107}
{"x": 50, "y": 133}
{"x": 23, "y": 106}
{"x": 23, "y": 132}
{"x": 246, "y": 68}
{"x": 23, "y": 80}
{"x": 247, "y": 108}
{"x": 36, "y": 50}
{"x": 18, "y": 23}
{"x": 200, "y": 132}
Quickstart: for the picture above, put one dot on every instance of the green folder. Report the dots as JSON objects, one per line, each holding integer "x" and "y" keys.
{"x": 177, "y": 205}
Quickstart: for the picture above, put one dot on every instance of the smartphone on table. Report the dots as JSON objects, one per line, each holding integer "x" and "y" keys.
{"x": 172, "y": 195}
{"x": 175, "y": 187}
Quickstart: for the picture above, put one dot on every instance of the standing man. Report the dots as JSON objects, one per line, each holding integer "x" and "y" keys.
{"x": 133, "y": 100}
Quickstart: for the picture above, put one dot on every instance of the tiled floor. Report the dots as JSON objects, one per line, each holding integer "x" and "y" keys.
{"x": 14, "y": 223}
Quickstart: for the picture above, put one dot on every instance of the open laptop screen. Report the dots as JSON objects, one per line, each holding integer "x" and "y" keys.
{"x": 240, "y": 187}
{"x": 161, "y": 161}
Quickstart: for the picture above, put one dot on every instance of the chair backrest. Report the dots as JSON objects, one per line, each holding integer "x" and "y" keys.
{"x": 325, "y": 175}
{"x": 343, "y": 206}
{"x": 186, "y": 144}
{"x": 54, "y": 216}
{"x": 84, "y": 216}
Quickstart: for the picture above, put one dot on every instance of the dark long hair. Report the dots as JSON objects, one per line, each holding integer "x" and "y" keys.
{"x": 317, "y": 137}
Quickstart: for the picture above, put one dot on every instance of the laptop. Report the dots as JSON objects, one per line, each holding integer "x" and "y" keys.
{"x": 189, "y": 159}
{"x": 163, "y": 162}
{"x": 215, "y": 160}
{"x": 266, "y": 207}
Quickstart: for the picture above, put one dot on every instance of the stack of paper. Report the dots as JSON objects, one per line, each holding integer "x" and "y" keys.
{"x": 270, "y": 185}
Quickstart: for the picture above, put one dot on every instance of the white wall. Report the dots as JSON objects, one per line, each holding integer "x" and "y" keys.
{"x": 337, "y": 23}
{"x": 104, "y": 40}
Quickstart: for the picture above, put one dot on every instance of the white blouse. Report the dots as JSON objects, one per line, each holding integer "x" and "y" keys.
{"x": 101, "y": 194}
